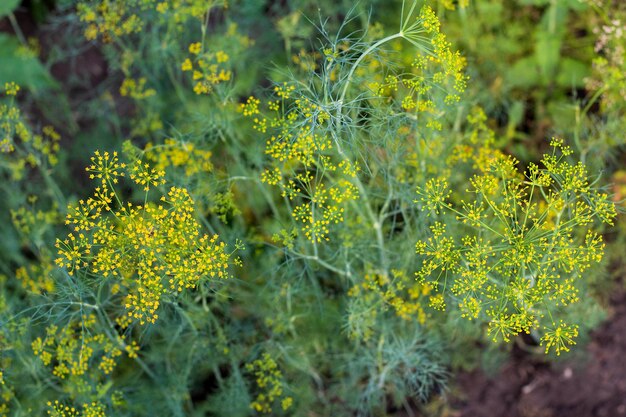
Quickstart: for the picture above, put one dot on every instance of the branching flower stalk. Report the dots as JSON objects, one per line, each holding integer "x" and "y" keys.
{"x": 411, "y": 29}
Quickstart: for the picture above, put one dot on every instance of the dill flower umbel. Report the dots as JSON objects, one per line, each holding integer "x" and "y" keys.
{"x": 534, "y": 238}
{"x": 11, "y": 89}
{"x": 269, "y": 382}
{"x": 151, "y": 250}
{"x": 210, "y": 64}
{"x": 78, "y": 350}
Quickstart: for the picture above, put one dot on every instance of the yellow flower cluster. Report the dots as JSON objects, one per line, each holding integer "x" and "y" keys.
{"x": 57, "y": 409}
{"x": 560, "y": 337}
{"x": 207, "y": 68}
{"x": 93, "y": 409}
{"x": 11, "y": 89}
{"x": 304, "y": 164}
{"x": 176, "y": 154}
{"x": 27, "y": 219}
{"x": 181, "y": 10}
{"x": 146, "y": 176}
{"x": 534, "y": 239}
{"x": 28, "y": 148}
{"x": 405, "y": 296}
{"x": 111, "y": 19}
{"x": 136, "y": 89}
{"x": 422, "y": 86}
{"x": 419, "y": 85}
{"x": 35, "y": 277}
{"x": 434, "y": 195}
{"x": 106, "y": 167}
{"x": 451, "y": 4}
{"x": 77, "y": 350}
{"x": 150, "y": 249}
{"x": 210, "y": 68}
{"x": 307, "y": 61}
{"x": 269, "y": 381}
{"x": 250, "y": 107}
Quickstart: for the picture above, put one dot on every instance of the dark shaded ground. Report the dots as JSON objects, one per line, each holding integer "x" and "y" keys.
{"x": 528, "y": 388}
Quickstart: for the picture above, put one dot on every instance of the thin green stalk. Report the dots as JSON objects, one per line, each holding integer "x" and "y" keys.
{"x": 17, "y": 29}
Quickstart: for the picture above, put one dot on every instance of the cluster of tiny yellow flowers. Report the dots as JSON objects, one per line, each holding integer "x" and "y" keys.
{"x": 181, "y": 10}
{"x": 146, "y": 176}
{"x": 11, "y": 89}
{"x": 452, "y": 64}
{"x": 269, "y": 380}
{"x": 176, "y": 154}
{"x": 36, "y": 277}
{"x": 77, "y": 350}
{"x": 93, "y": 409}
{"x": 109, "y": 19}
{"x": 418, "y": 87}
{"x": 478, "y": 148}
{"x": 441, "y": 69}
{"x": 404, "y": 295}
{"x": 16, "y": 138}
{"x": 560, "y": 337}
{"x": 303, "y": 164}
{"x": 534, "y": 239}
{"x": 452, "y": 4}
{"x": 147, "y": 248}
{"x": 307, "y": 60}
{"x": 209, "y": 68}
{"x": 4, "y": 407}
{"x": 57, "y": 409}
{"x": 106, "y": 167}
{"x": 284, "y": 91}
{"x": 434, "y": 194}
{"x": 113, "y": 19}
{"x": 136, "y": 89}
{"x": 30, "y": 49}
{"x": 27, "y": 219}
{"x": 251, "y": 108}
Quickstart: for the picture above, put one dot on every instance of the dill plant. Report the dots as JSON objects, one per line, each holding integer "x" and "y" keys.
{"x": 148, "y": 311}
{"x": 335, "y": 142}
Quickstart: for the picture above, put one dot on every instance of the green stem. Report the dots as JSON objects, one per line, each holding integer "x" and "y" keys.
{"x": 17, "y": 29}
{"x": 375, "y": 220}
{"x": 358, "y": 61}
